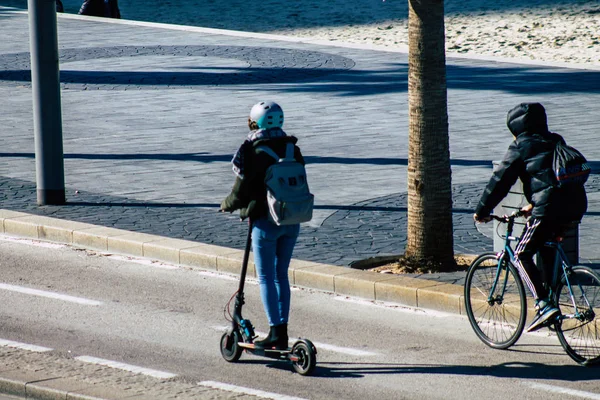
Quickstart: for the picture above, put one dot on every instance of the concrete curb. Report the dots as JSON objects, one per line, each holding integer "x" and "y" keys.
{"x": 340, "y": 280}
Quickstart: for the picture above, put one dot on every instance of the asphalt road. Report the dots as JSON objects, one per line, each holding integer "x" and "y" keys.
{"x": 169, "y": 319}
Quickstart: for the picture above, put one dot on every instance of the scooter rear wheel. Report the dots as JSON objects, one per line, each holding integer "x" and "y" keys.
{"x": 230, "y": 349}
{"x": 307, "y": 357}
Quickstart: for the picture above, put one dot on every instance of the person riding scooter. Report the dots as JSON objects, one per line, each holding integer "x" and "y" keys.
{"x": 272, "y": 244}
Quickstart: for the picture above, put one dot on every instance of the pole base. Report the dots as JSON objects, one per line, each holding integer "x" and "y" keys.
{"x": 51, "y": 197}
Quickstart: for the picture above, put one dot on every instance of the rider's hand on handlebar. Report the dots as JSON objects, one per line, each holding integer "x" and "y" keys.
{"x": 526, "y": 210}
{"x": 477, "y": 218}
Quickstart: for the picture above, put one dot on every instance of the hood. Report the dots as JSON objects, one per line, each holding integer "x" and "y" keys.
{"x": 527, "y": 117}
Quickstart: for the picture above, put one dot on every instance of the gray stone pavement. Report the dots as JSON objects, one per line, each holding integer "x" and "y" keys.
{"x": 152, "y": 116}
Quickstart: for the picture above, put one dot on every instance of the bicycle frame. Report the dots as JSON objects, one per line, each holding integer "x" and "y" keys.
{"x": 507, "y": 251}
{"x": 562, "y": 267}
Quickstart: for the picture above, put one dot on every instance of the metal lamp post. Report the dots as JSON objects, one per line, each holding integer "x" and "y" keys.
{"x": 47, "y": 117}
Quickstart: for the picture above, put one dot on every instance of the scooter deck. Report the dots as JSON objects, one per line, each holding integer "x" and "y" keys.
{"x": 270, "y": 353}
{"x": 251, "y": 346}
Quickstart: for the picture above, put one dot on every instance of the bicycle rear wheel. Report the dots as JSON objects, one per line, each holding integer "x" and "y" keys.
{"x": 497, "y": 318}
{"x": 579, "y": 328}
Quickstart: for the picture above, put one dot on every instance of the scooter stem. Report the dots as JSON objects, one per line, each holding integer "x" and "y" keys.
{"x": 246, "y": 257}
{"x": 238, "y": 320}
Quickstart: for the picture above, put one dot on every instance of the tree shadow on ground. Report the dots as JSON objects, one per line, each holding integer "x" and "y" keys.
{"x": 510, "y": 79}
{"x": 340, "y": 80}
{"x": 209, "y": 158}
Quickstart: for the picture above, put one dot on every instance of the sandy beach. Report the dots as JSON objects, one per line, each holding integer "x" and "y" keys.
{"x": 560, "y": 33}
{"x": 544, "y": 30}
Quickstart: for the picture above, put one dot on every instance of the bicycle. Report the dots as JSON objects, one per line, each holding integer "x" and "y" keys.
{"x": 496, "y": 303}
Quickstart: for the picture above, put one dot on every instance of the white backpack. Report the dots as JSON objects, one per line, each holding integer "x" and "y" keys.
{"x": 289, "y": 199}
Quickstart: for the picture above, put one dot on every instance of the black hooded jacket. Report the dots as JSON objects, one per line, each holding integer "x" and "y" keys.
{"x": 529, "y": 158}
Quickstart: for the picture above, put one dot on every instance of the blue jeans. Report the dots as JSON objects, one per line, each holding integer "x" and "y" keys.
{"x": 273, "y": 246}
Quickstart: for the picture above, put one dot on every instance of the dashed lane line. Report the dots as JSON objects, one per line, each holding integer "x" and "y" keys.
{"x": 24, "y": 346}
{"x": 152, "y": 372}
{"x": 562, "y": 390}
{"x": 50, "y": 295}
{"x": 92, "y": 360}
{"x": 245, "y": 390}
{"x": 126, "y": 367}
{"x": 344, "y": 350}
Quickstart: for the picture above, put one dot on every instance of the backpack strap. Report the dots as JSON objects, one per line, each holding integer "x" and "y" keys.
{"x": 269, "y": 151}
{"x": 289, "y": 152}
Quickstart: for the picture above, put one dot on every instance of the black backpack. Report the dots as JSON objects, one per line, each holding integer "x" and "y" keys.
{"x": 569, "y": 165}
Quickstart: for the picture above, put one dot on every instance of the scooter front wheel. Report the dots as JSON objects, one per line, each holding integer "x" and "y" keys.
{"x": 230, "y": 348}
{"x": 304, "y": 357}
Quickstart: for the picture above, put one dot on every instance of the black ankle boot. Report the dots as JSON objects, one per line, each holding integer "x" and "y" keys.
{"x": 282, "y": 335}
{"x": 270, "y": 341}
{"x": 277, "y": 338}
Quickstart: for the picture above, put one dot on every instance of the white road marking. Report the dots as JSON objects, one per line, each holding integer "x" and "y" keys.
{"x": 395, "y": 307}
{"x": 245, "y": 390}
{"x": 212, "y": 274}
{"x": 126, "y": 367}
{"x": 24, "y": 346}
{"x": 318, "y": 345}
{"x": 50, "y": 295}
{"x": 343, "y": 350}
{"x": 47, "y": 245}
{"x": 220, "y": 328}
{"x": 143, "y": 261}
{"x": 562, "y": 390}
{"x": 162, "y": 265}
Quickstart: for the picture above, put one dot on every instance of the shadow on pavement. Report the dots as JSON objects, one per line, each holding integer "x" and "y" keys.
{"x": 310, "y": 77}
{"x": 569, "y": 373}
{"x": 209, "y": 158}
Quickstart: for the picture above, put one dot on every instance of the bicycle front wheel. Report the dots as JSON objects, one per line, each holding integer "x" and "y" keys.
{"x": 578, "y": 328}
{"x": 495, "y": 301}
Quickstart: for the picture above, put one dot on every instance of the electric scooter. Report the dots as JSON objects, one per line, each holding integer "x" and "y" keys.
{"x": 240, "y": 337}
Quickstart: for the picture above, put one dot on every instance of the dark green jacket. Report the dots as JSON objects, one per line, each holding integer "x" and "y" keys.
{"x": 249, "y": 194}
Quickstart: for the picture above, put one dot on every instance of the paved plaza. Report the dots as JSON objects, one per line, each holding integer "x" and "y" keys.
{"x": 152, "y": 115}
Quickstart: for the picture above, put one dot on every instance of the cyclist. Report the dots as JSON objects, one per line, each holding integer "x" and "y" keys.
{"x": 553, "y": 209}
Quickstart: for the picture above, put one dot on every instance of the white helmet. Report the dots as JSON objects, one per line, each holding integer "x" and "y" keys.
{"x": 267, "y": 114}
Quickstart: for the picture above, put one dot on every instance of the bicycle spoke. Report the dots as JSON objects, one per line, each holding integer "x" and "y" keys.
{"x": 496, "y": 317}
{"x": 481, "y": 291}
{"x": 578, "y": 330}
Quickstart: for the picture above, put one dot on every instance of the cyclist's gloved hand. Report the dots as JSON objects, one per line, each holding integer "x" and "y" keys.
{"x": 477, "y": 218}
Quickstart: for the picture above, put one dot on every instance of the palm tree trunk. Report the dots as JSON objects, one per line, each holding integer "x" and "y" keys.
{"x": 429, "y": 174}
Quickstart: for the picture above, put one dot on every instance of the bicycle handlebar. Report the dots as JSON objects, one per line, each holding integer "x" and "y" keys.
{"x": 507, "y": 218}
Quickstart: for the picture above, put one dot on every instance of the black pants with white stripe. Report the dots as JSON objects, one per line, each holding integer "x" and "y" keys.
{"x": 537, "y": 232}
